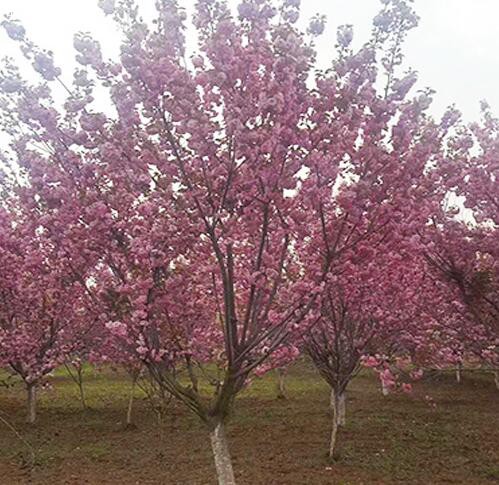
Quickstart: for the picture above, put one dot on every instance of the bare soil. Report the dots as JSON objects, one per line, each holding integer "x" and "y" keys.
{"x": 443, "y": 433}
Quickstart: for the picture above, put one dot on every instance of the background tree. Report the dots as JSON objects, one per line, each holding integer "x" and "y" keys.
{"x": 43, "y": 312}
{"x": 463, "y": 249}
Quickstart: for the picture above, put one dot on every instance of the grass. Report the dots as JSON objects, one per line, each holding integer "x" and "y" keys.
{"x": 399, "y": 439}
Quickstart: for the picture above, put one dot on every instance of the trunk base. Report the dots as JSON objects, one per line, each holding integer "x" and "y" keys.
{"x": 338, "y": 403}
{"x": 281, "y": 388}
{"x": 384, "y": 389}
{"x": 31, "y": 416}
{"x": 333, "y": 453}
{"x": 221, "y": 455}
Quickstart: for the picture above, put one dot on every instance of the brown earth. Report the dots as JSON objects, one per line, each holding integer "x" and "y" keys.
{"x": 399, "y": 439}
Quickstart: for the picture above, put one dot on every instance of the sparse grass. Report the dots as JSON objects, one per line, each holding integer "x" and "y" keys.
{"x": 397, "y": 439}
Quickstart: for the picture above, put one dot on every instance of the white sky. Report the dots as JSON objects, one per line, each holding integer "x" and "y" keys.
{"x": 455, "y": 49}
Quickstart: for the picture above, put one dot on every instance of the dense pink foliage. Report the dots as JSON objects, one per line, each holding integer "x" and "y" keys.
{"x": 45, "y": 314}
{"x": 462, "y": 247}
{"x": 237, "y": 206}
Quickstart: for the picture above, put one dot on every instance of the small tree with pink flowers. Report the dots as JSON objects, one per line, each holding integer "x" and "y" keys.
{"x": 43, "y": 309}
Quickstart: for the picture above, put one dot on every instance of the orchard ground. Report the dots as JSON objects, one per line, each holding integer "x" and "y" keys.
{"x": 404, "y": 439}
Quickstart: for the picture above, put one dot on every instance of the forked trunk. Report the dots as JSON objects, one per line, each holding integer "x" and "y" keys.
{"x": 221, "y": 455}
{"x": 340, "y": 404}
{"x": 77, "y": 377}
{"x": 31, "y": 416}
{"x": 281, "y": 383}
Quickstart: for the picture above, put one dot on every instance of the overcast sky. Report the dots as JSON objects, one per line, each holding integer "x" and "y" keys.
{"x": 455, "y": 49}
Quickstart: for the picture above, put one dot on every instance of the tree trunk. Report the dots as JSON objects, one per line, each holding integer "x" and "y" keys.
{"x": 342, "y": 418}
{"x": 496, "y": 378}
{"x": 384, "y": 389}
{"x": 192, "y": 375}
{"x": 221, "y": 455}
{"x": 341, "y": 406}
{"x": 281, "y": 384}
{"x": 77, "y": 377}
{"x": 31, "y": 416}
{"x": 130, "y": 404}
{"x": 458, "y": 372}
{"x": 334, "y": 430}
{"x": 80, "y": 387}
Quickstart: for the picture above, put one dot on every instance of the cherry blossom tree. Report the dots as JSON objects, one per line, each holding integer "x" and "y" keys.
{"x": 370, "y": 317}
{"x": 43, "y": 313}
{"x": 184, "y": 225}
{"x": 370, "y": 189}
{"x": 462, "y": 250}
{"x": 205, "y": 218}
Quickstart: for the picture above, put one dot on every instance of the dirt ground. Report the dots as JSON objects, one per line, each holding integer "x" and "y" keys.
{"x": 450, "y": 437}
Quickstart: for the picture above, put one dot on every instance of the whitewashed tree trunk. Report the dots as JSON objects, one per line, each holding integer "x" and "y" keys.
{"x": 458, "y": 372}
{"x": 334, "y": 429}
{"x": 31, "y": 416}
{"x": 342, "y": 417}
{"x": 221, "y": 455}
{"x": 384, "y": 389}
{"x": 496, "y": 378}
{"x": 281, "y": 383}
{"x": 341, "y": 406}
{"x": 130, "y": 404}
